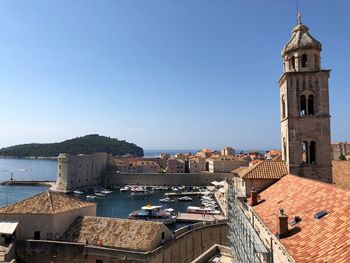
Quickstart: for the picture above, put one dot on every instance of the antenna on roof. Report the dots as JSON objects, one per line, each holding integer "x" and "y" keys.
{"x": 298, "y": 13}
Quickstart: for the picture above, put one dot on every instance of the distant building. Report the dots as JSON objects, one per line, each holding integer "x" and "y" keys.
{"x": 79, "y": 171}
{"x": 340, "y": 148}
{"x": 137, "y": 166}
{"x": 228, "y": 151}
{"x": 197, "y": 164}
{"x": 225, "y": 164}
{"x": 46, "y": 215}
{"x": 175, "y": 165}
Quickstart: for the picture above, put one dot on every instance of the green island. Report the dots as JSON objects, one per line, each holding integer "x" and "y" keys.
{"x": 81, "y": 145}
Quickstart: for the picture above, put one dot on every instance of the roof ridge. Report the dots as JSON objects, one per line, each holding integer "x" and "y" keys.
{"x": 51, "y": 202}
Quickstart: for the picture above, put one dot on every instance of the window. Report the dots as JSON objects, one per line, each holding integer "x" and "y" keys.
{"x": 302, "y": 105}
{"x": 284, "y": 149}
{"x": 99, "y": 261}
{"x": 317, "y": 61}
{"x": 37, "y": 235}
{"x": 292, "y": 63}
{"x": 310, "y": 105}
{"x": 304, "y": 61}
{"x": 283, "y": 108}
{"x": 313, "y": 152}
{"x": 305, "y": 152}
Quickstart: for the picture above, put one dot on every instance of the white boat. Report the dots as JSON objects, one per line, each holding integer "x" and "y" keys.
{"x": 91, "y": 197}
{"x": 106, "y": 192}
{"x": 100, "y": 194}
{"x": 185, "y": 198}
{"x": 200, "y": 210}
{"x": 166, "y": 200}
{"x": 125, "y": 189}
{"x": 78, "y": 192}
{"x": 154, "y": 213}
{"x": 141, "y": 193}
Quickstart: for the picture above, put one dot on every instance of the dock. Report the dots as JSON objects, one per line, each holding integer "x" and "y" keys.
{"x": 29, "y": 183}
{"x": 186, "y": 193}
{"x": 189, "y": 217}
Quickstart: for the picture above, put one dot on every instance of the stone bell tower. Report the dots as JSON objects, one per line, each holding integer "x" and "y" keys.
{"x": 305, "y": 118}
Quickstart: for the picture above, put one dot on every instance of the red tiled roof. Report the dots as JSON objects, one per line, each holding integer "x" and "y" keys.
{"x": 264, "y": 170}
{"x": 319, "y": 240}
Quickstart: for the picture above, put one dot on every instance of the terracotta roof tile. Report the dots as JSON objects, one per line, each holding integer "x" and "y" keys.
{"x": 319, "y": 240}
{"x": 118, "y": 233}
{"x": 264, "y": 170}
{"x": 45, "y": 203}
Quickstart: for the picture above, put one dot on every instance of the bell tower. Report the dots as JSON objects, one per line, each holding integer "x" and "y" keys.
{"x": 305, "y": 118}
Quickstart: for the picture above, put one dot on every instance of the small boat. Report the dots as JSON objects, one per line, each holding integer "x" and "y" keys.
{"x": 175, "y": 189}
{"x": 141, "y": 193}
{"x": 106, "y": 192}
{"x": 200, "y": 210}
{"x": 78, "y": 192}
{"x": 100, "y": 194}
{"x": 166, "y": 200}
{"x": 153, "y": 213}
{"x": 185, "y": 198}
{"x": 91, "y": 197}
{"x": 125, "y": 189}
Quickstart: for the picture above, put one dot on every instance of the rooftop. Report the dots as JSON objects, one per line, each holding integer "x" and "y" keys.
{"x": 312, "y": 240}
{"x": 111, "y": 232}
{"x": 45, "y": 203}
{"x": 263, "y": 170}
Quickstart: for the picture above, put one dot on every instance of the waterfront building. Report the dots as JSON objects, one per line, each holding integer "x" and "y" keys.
{"x": 175, "y": 165}
{"x": 259, "y": 176}
{"x": 46, "y": 215}
{"x": 340, "y": 148}
{"x": 137, "y": 166}
{"x": 305, "y": 117}
{"x": 197, "y": 164}
{"x": 228, "y": 151}
{"x": 224, "y": 164}
{"x": 79, "y": 171}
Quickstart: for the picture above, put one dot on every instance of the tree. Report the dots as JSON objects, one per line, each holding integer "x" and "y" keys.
{"x": 342, "y": 157}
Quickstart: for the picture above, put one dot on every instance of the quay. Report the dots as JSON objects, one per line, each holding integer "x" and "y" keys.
{"x": 29, "y": 183}
{"x": 189, "y": 217}
{"x": 186, "y": 193}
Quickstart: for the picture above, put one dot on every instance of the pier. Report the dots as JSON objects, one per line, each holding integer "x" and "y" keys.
{"x": 29, "y": 183}
{"x": 189, "y": 217}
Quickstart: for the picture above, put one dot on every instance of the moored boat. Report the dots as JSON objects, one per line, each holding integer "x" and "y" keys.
{"x": 78, "y": 192}
{"x": 106, "y": 192}
{"x": 153, "y": 213}
{"x": 185, "y": 198}
{"x": 200, "y": 210}
{"x": 91, "y": 197}
{"x": 166, "y": 200}
{"x": 99, "y": 194}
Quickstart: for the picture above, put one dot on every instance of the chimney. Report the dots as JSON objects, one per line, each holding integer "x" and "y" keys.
{"x": 254, "y": 197}
{"x": 282, "y": 224}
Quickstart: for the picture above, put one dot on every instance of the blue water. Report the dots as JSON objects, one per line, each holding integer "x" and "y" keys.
{"x": 156, "y": 153}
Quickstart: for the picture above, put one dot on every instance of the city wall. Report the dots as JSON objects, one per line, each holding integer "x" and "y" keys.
{"x": 187, "y": 245}
{"x": 172, "y": 179}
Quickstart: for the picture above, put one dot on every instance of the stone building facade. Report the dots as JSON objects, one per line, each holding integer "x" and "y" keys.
{"x": 305, "y": 117}
{"x": 225, "y": 164}
{"x": 340, "y": 148}
{"x": 79, "y": 171}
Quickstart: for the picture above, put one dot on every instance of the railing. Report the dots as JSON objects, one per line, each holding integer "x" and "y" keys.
{"x": 244, "y": 241}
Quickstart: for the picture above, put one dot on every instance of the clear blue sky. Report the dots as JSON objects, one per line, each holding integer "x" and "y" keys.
{"x": 163, "y": 74}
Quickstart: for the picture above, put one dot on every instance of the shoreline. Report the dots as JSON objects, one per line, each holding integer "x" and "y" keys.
{"x": 29, "y": 157}
{"x": 28, "y": 183}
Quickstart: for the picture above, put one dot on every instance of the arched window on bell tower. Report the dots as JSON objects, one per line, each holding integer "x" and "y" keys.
{"x": 304, "y": 61}
{"x": 285, "y": 150}
{"x": 310, "y": 105}
{"x": 302, "y": 105}
{"x": 312, "y": 152}
{"x": 305, "y": 152}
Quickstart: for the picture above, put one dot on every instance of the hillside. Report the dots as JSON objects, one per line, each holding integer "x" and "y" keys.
{"x": 87, "y": 144}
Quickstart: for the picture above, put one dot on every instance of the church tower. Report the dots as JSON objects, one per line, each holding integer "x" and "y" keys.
{"x": 305, "y": 118}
